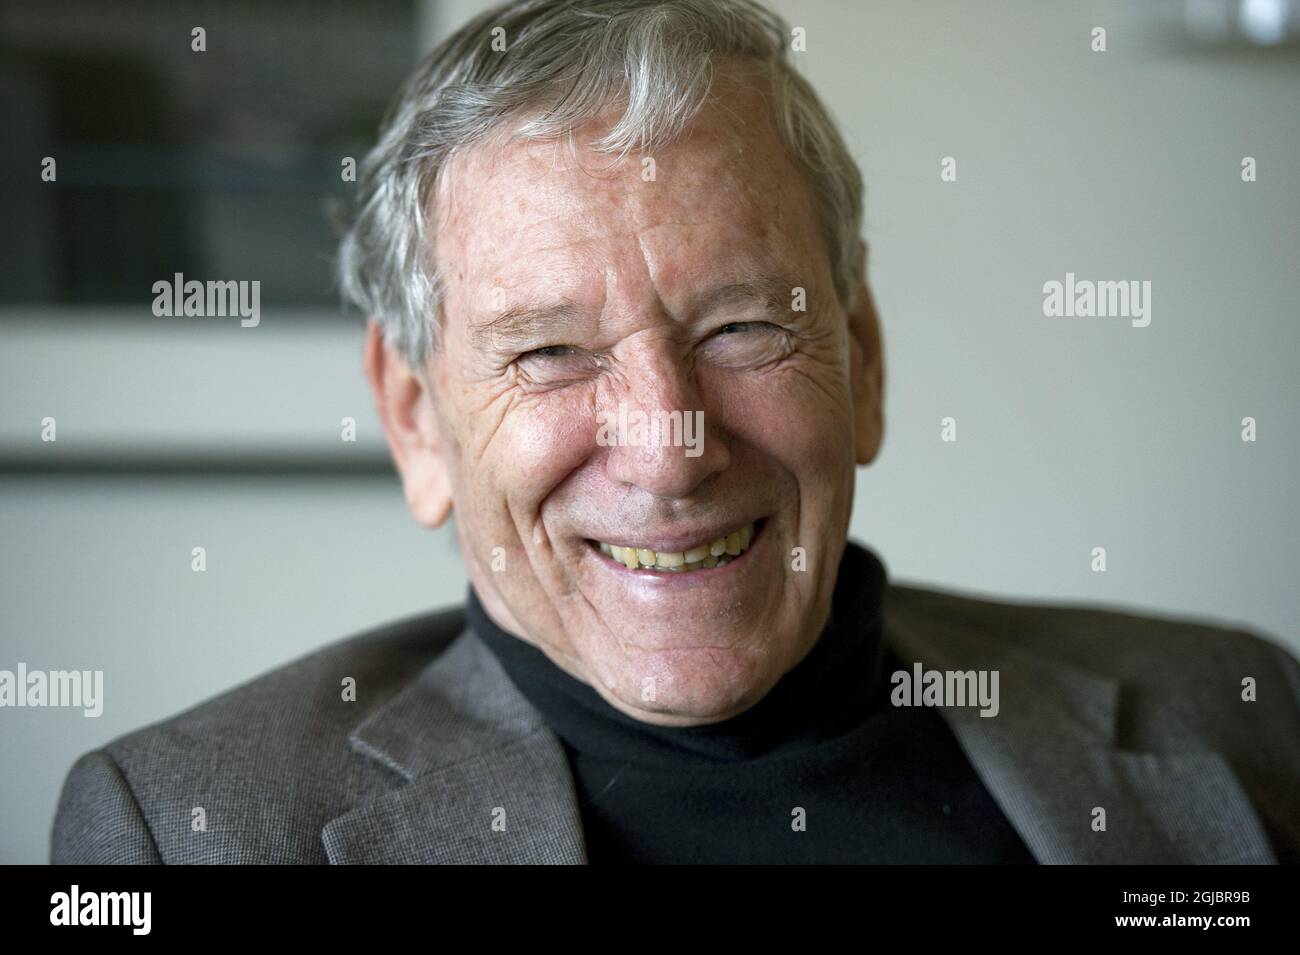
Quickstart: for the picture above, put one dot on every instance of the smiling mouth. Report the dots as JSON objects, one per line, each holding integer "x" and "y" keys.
{"x": 715, "y": 553}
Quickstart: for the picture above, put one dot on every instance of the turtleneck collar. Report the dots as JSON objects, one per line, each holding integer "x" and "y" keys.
{"x": 837, "y": 684}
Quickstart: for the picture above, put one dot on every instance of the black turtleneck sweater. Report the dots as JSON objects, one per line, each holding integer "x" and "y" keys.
{"x": 876, "y": 783}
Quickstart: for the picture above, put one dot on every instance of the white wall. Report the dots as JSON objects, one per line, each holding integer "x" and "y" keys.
{"x": 1075, "y": 433}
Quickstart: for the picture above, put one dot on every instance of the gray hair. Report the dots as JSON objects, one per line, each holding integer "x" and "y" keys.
{"x": 566, "y": 61}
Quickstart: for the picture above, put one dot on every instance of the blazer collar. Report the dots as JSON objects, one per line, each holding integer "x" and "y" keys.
{"x": 481, "y": 777}
{"x": 1050, "y": 759}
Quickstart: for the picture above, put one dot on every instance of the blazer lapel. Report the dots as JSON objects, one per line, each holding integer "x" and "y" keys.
{"x": 1050, "y": 758}
{"x": 481, "y": 777}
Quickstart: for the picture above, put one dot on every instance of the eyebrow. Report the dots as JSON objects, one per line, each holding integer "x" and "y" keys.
{"x": 524, "y": 324}
{"x": 771, "y": 291}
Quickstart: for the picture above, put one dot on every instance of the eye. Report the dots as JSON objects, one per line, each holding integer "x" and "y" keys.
{"x": 550, "y": 351}
{"x": 747, "y": 344}
{"x": 731, "y": 328}
{"x": 554, "y": 366}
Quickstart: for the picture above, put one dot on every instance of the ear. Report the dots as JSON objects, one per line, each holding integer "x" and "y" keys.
{"x": 868, "y": 372}
{"x": 410, "y": 418}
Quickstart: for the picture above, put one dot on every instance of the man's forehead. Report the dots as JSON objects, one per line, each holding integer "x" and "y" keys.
{"x": 499, "y": 191}
{"x": 518, "y": 222}
{"x": 506, "y": 199}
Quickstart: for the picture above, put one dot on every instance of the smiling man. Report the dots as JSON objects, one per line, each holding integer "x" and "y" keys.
{"x": 588, "y": 210}
{"x": 573, "y": 287}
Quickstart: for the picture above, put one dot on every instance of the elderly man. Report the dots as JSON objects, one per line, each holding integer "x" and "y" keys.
{"x": 620, "y": 329}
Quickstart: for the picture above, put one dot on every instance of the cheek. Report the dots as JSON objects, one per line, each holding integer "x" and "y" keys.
{"x": 794, "y": 418}
{"x": 534, "y": 445}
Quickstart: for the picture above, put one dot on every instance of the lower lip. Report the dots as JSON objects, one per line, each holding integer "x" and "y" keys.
{"x": 686, "y": 578}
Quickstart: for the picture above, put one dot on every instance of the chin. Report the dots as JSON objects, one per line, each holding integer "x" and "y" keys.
{"x": 705, "y": 684}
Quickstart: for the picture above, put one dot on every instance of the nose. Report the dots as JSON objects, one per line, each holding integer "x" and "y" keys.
{"x": 658, "y": 435}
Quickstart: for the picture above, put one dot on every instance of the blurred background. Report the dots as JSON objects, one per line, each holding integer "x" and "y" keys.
{"x": 1072, "y": 433}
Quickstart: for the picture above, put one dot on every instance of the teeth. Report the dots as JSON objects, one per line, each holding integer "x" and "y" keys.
{"x": 733, "y": 543}
{"x": 697, "y": 554}
{"x": 667, "y": 560}
{"x": 713, "y": 554}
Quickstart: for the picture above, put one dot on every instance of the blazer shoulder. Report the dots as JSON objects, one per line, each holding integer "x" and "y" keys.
{"x": 305, "y": 696}
{"x": 1143, "y": 647}
{"x": 1185, "y": 686}
{"x": 98, "y": 820}
{"x": 264, "y": 763}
